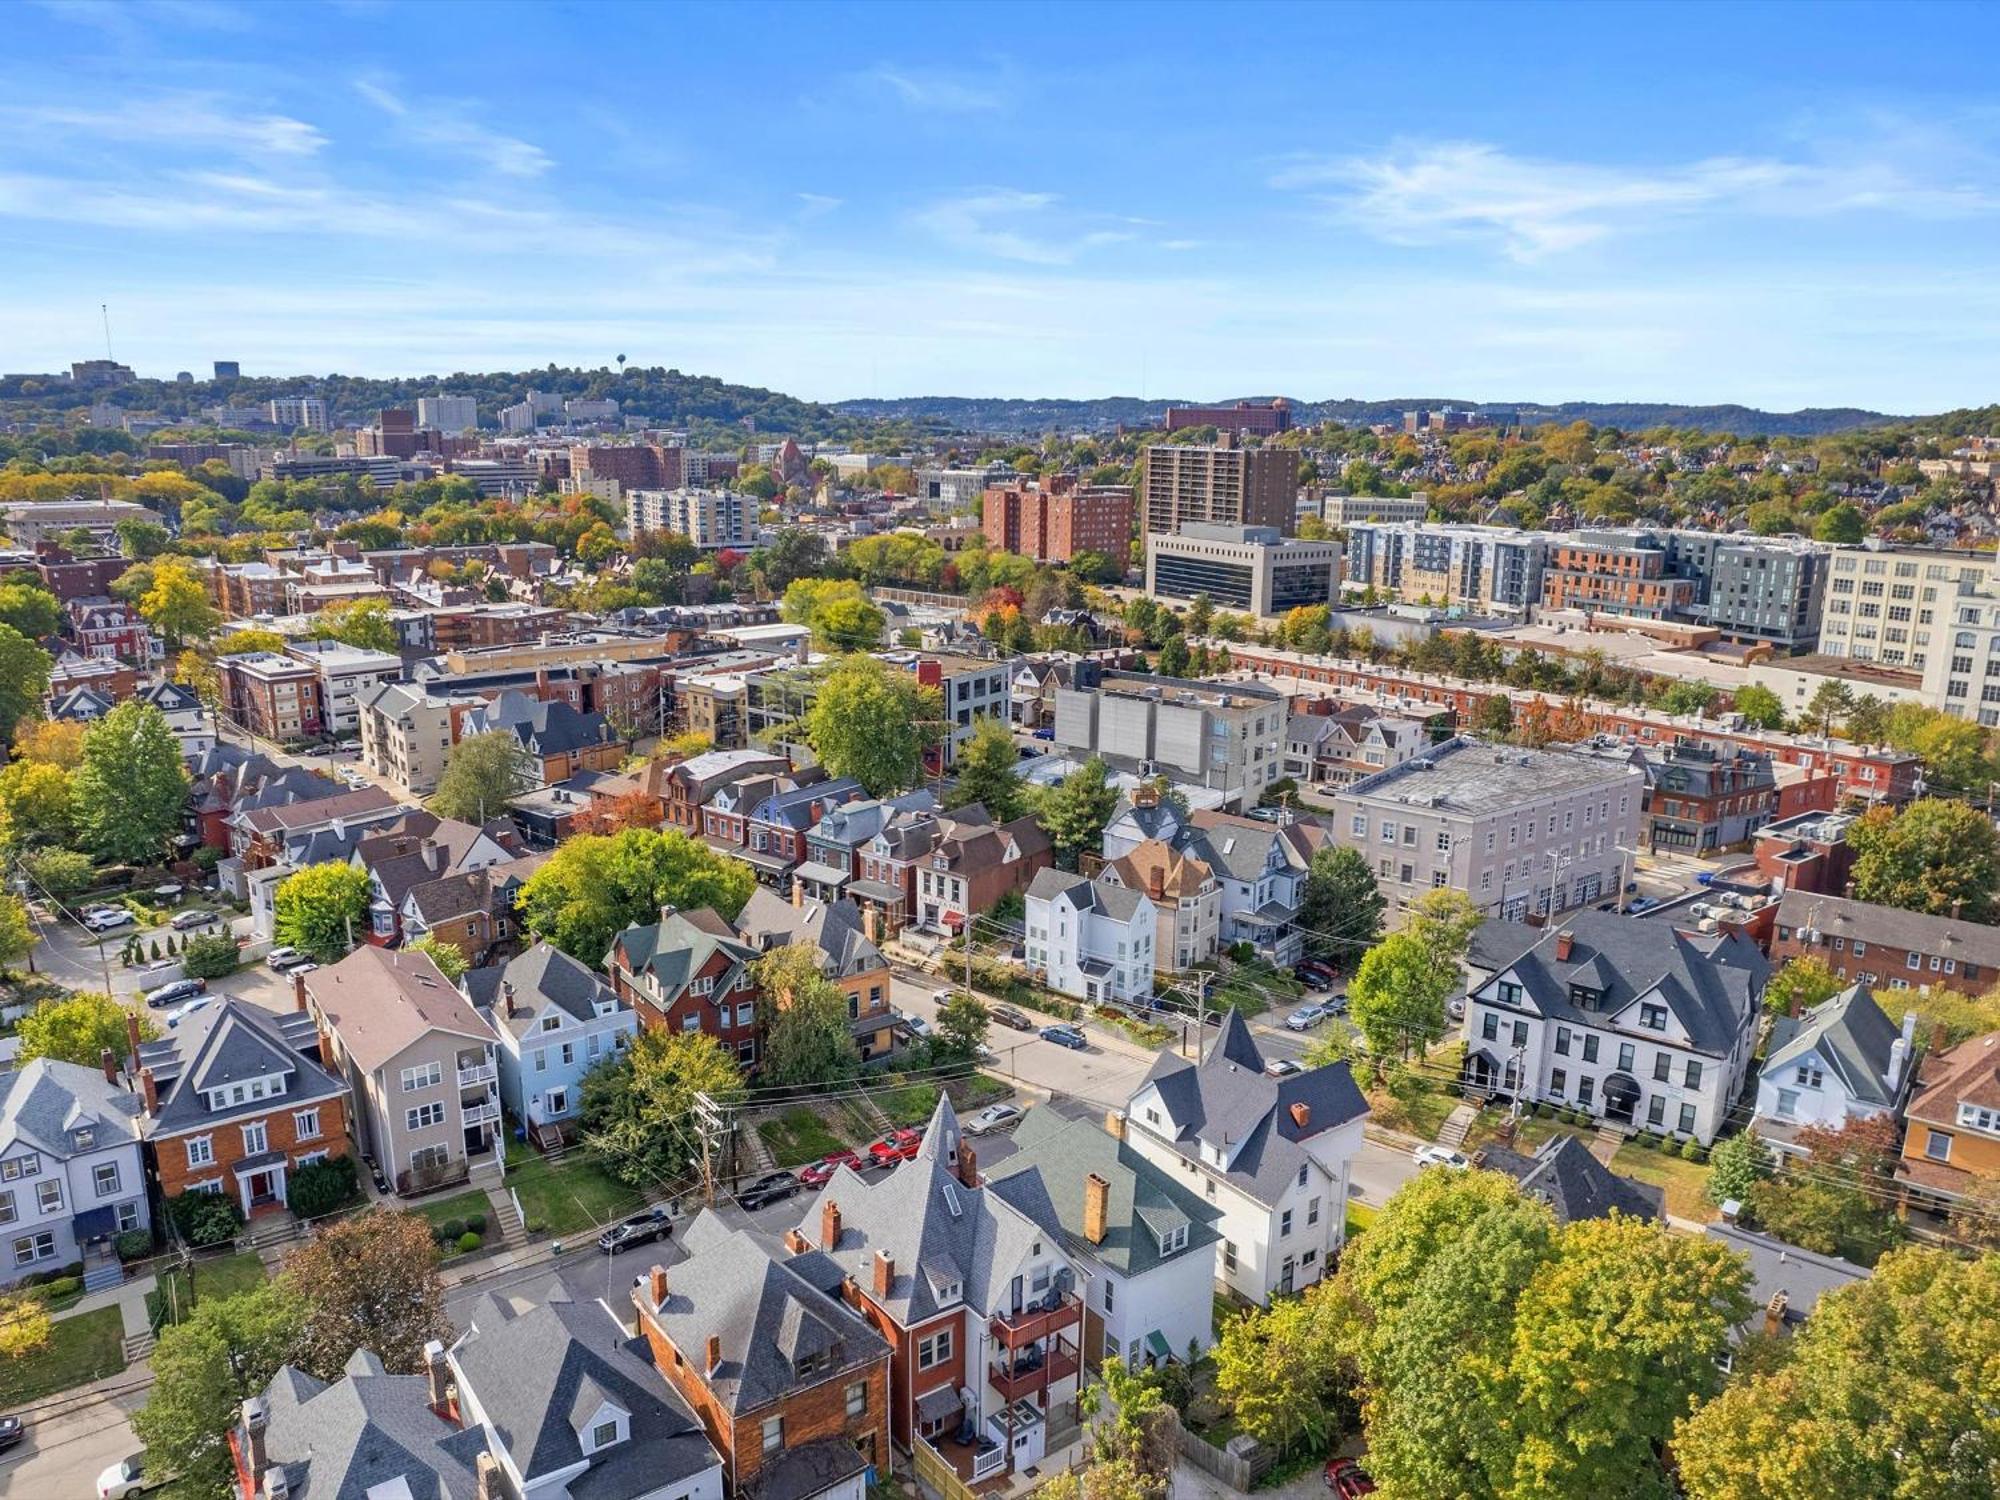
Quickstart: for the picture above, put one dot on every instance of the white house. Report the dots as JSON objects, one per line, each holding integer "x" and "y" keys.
{"x": 1841, "y": 1060}
{"x": 71, "y": 1175}
{"x": 1148, "y": 1239}
{"x": 1632, "y": 1020}
{"x": 191, "y": 724}
{"x": 556, "y": 1020}
{"x": 1090, "y": 938}
{"x": 1274, "y": 1155}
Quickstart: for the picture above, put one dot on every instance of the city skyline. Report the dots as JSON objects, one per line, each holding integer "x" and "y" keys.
{"x": 1537, "y": 204}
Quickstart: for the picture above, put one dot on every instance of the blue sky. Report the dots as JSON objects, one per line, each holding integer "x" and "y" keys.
{"x": 1782, "y": 206}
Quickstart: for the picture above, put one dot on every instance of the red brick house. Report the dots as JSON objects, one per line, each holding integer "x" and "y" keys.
{"x": 691, "y": 784}
{"x": 690, "y": 971}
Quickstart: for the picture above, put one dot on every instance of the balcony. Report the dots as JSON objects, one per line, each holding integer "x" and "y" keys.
{"x": 478, "y": 1073}
{"x": 1031, "y": 1374}
{"x": 482, "y": 1114}
{"x": 1012, "y": 1330}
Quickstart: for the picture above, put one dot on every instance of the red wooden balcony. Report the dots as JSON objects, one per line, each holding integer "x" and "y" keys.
{"x": 1012, "y": 1386}
{"x": 1012, "y": 1330}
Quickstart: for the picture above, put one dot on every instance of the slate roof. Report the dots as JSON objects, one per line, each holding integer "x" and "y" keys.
{"x": 1710, "y": 982}
{"x": 367, "y": 1429}
{"x": 765, "y": 1313}
{"x": 541, "y": 977}
{"x": 1142, "y": 1202}
{"x": 1120, "y": 903}
{"x": 543, "y": 728}
{"x": 381, "y": 1000}
{"x": 674, "y": 949}
{"x": 79, "y": 704}
{"x": 1564, "y": 1175}
{"x": 232, "y": 1042}
{"x": 1775, "y": 1267}
{"x": 541, "y": 1374}
{"x": 934, "y": 1227}
{"x": 168, "y": 697}
{"x": 768, "y": 920}
{"x": 1228, "y": 1101}
{"x": 1968, "y": 1073}
{"x": 800, "y": 807}
{"x": 360, "y": 803}
{"x": 1834, "y": 917}
{"x": 451, "y": 896}
{"x": 1180, "y": 874}
{"x": 1853, "y": 1036}
{"x": 43, "y": 1101}
{"x": 807, "y": 1470}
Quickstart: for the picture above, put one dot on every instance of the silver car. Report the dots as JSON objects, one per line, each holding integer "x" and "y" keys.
{"x": 993, "y": 1117}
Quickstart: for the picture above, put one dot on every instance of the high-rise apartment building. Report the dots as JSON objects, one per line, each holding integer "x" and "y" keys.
{"x": 711, "y": 519}
{"x": 635, "y": 466}
{"x": 1054, "y": 522}
{"x": 1896, "y": 606}
{"x": 453, "y": 414}
{"x": 1224, "y": 485}
{"x": 1487, "y": 570}
{"x": 294, "y": 412}
{"x": 228, "y": 369}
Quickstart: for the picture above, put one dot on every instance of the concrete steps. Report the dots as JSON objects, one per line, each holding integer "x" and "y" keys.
{"x": 104, "y": 1276}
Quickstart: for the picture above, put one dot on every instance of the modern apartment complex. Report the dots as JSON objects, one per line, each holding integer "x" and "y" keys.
{"x": 1520, "y": 831}
{"x": 1250, "y": 568}
{"x": 711, "y": 519}
{"x": 1897, "y": 607}
{"x": 1483, "y": 570}
{"x": 1229, "y": 737}
{"x": 293, "y": 412}
{"x": 450, "y": 414}
{"x": 1345, "y": 510}
{"x": 1054, "y": 522}
{"x": 1962, "y": 673}
{"x": 1225, "y": 484}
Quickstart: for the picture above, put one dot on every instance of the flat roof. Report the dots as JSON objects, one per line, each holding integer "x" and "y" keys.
{"x": 1473, "y": 777}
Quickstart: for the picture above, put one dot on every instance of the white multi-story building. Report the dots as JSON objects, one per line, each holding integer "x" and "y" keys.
{"x": 448, "y": 414}
{"x": 71, "y": 1175}
{"x": 1518, "y": 830}
{"x": 294, "y": 412}
{"x": 711, "y": 519}
{"x": 1273, "y": 1155}
{"x": 1484, "y": 569}
{"x": 1090, "y": 938}
{"x": 348, "y": 676}
{"x": 1224, "y": 736}
{"x": 1842, "y": 1060}
{"x": 1898, "y": 606}
{"x": 1628, "y": 1019}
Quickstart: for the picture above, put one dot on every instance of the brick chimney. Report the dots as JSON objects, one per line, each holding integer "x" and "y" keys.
{"x": 714, "y": 1353}
{"x": 299, "y": 993}
{"x": 1145, "y": 795}
{"x": 968, "y": 1164}
{"x": 798, "y": 891}
{"x": 507, "y": 997}
{"x": 132, "y": 1040}
{"x": 829, "y": 1225}
{"x": 656, "y": 1285}
{"x": 797, "y": 1243}
{"x": 151, "y": 1090}
{"x": 1156, "y": 884}
{"x": 1796, "y": 1008}
{"x": 256, "y": 1417}
{"x": 1940, "y": 1038}
{"x": 486, "y": 1483}
{"x": 1302, "y": 1115}
{"x": 326, "y": 1054}
{"x": 871, "y": 923}
{"x": 1096, "y": 1207}
{"x": 1565, "y": 945}
{"x": 437, "y": 1379}
{"x": 108, "y": 1060}
{"x": 1114, "y": 1124}
{"x": 1774, "y": 1313}
{"x": 885, "y": 1272}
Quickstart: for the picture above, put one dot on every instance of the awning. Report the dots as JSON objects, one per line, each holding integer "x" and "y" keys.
{"x": 1156, "y": 1345}
{"x": 760, "y": 859}
{"x": 953, "y": 919}
{"x": 876, "y": 890}
{"x": 821, "y": 874}
{"x": 262, "y": 1161}
{"x": 95, "y": 1223}
{"x": 936, "y": 1405}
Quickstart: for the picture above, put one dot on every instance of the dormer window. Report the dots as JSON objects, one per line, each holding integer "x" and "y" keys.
{"x": 607, "y": 1429}
{"x": 1174, "y": 1239}
{"x": 1653, "y": 1017}
{"x": 552, "y": 1023}
{"x": 1585, "y": 998}
{"x": 85, "y": 1137}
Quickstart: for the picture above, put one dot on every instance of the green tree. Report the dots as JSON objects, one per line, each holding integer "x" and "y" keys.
{"x": 596, "y": 885}
{"x": 210, "y": 955}
{"x": 1735, "y": 1166}
{"x": 36, "y": 807}
{"x": 1284, "y": 1369}
{"x": 30, "y": 609}
{"x": 1831, "y": 701}
{"x": 848, "y": 624}
{"x": 1398, "y": 995}
{"x": 367, "y": 1282}
{"x": 1806, "y": 980}
{"x": 1495, "y": 716}
{"x": 638, "y": 1108}
{"x": 362, "y": 623}
{"x": 1887, "y": 1390}
{"x": 1173, "y": 659}
{"x": 1934, "y": 856}
{"x": 130, "y": 792}
{"x": 1841, "y": 523}
{"x": 1074, "y": 812}
{"x": 58, "y": 872}
{"x": 25, "y": 1325}
{"x": 140, "y": 540}
{"x": 17, "y": 934}
{"x": 1341, "y": 911}
{"x": 986, "y": 768}
{"x": 1200, "y": 615}
{"x": 451, "y": 963}
{"x": 1841, "y": 1201}
{"x": 962, "y": 1023}
{"x": 78, "y": 1029}
{"x": 322, "y": 909}
{"x": 804, "y": 1015}
{"x": 24, "y": 678}
{"x": 204, "y": 1368}
{"x": 177, "y": 605}
{"x": 483, "y": 776}
{"x": 870, "y": 721}
{"x": 1760, "y": 706}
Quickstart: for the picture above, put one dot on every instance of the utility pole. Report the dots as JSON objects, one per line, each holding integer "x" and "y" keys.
{"x": 710, "y": 1123}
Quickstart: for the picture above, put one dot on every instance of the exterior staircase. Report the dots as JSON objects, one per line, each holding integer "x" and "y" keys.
{"x": 504, "y": 1229}
{"x": 1604, "y": 1145}
{"x": 104, "y": 1275}
{"x": 138, "y": 1346}
{"x": 1457, "y": 1125}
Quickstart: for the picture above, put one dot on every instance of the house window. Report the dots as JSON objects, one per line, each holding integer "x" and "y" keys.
{"x": 1687, "y": 1119}
{"x": 1312, "y": 1211}
{"x": 1663, "y": 1068}
{"x": 1562, "y": 1040}
{"x": 104, "y": 1177}
{"x": 1625, "y": 1057}
{"x": 1229, "y": 1255}
{"x": 603, "y": 1435}
{"x": 1110, "y": 1294}
{"x": 934, "y": 1349}
{"x": 256, "y": 1138}
{"x": 1788, "y": 1103}
{"x": 424, "y": 1117}
{"x": 1586, "y": 1090}
{"x": 1520, "y": 1033}
{"x": 1489, "y": 1027}
{"x": 552, "y": 1023}
{"x": 1656, "y": 1110}
{"x": 1558, "y": 1081}
{"x": 428, "y": 1076}
{"x": 1509, "y": 992}
{"x": 1692, "y": 1078}
{"x": 774, "y": 1434}
{"x": 200, "y": 1150}
{"x": 48, "y": 1196}
{"x": 430, "y": 1158}
{"x": 1653, "y": 1017}
{"x": 30, "y": 1248}
{"x": 1979, "y": 1117}
{"x": 1589, "y": 1048}
{"x": 305, "y": 1124}
{"x": 1174, "y": 1239}
{"x": 1937, "y": 1146}
{"x": 1285, "y": 1223}
{"x": 1809, "y": 1076}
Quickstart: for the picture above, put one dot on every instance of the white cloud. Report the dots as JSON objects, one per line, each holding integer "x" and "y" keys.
{"x": 934, "y": 89}
{"x": 1011, "y": 225}
{"x": 450, "y": 127}
{"x": 817, "y": 205}
{"x": 174, "y": 120}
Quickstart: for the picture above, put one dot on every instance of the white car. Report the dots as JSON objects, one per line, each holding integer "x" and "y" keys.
{"x": 1306, "y": 1016}
{"x": 124, "y": 1478}
{"x": 284, "y": 958}
{"x": 1281, "y": 1067}
{"x": 993, "y": 1117}
{"x": 1440, "y": 1156}
{"x": 104, "y": 918}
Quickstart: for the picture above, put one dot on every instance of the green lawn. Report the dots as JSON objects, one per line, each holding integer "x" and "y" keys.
{"x": 223, "y": 1276}
{"x": 910, "y": 1106}
{"x": 569, "y": 1196}
{"x": 797, "y": 1137}
{"x": 973, "y": 1090}
{"x": 1683, "y": 1180}
{"x": 457, "y": 1206}
{"x": 1359, "y": 1217}
{"x": 87, "y": 1347}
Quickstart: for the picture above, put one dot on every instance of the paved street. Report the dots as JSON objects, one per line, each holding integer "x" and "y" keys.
{"x": 73, "y": 1437}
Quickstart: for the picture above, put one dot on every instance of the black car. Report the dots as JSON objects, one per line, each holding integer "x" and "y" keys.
{"x": 1011, "y": 1018}
{"x": 640, "y": 1229}
{"x": 772, "y": 1187}
{"x": 11, "y": 1432}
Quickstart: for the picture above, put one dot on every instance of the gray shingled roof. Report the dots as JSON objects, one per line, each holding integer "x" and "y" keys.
{"x": 1833, "y": 917}
{"x": 1851, "y": 1033}
{"x": 765, "y": 1313}
{"x": 541, "y": 977}
{"x": 1114, "y": 901}
{"x": 1575, "y": 1184}
{"x": 1143, "y": 1201}
{"x": 835, "y": 928}
{"x": 540, "y": 1374}
{"x": 1228, "y": 1100}
{"x": 340, "y": 1441}
{"x": 1775, "y": 1267}
{"x": 45, "y": 1101}
{"x": 1711, "y": 984}
{"x": 231, "y": 1042}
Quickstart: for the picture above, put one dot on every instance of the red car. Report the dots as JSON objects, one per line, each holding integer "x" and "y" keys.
{"x": 1347, "y": 1479}
{"x": 820, "y": 1172}
{"x": 897, "y": 1145}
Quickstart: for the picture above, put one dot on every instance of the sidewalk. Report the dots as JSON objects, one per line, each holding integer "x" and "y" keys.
{"x": 129, "y": 1299}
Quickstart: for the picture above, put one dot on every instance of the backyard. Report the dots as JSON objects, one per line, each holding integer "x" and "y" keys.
{"x": 223, "y": 1276}
{"x": 797, "y": 1136}
{"x": 87, "y": 1347}
{"x": 1685, "y": 1181}
{"x": 568, "y": 1196}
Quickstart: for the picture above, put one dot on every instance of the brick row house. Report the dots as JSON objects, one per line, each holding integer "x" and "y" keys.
{"x": 973, "y": 863}
{"x": 845, "y": 939}
{"x": 1884, "y": 947}
{"x": 690, "y": 785}
{"x": 690, "y": 971}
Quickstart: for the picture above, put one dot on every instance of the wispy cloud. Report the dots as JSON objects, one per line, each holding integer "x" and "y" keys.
{"x": 1010, "y": 224}
{"x": 449, "y": 126}
{"x": 173, "y": 120}
{"x": 817, "y": 205}
{"x": 937, "y": 90}
{"x": 1432, "y": 192}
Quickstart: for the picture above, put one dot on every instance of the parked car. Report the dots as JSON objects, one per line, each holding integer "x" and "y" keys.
{"x": 772, "y": 1187}
{"x": 1455, "y": 1008}
{"x": 105, "y": 918}
{"x": 1312, "y": 972}
{"x": 171, "y": 891}
{"x": 1045, "y": 734}
{"x": 657, "y": 1223}
{"x": 126, "y": 1477}
{"x": 993, "y": 1117}
{"x": 173, "y": 992}
{"x": 1440, "y": 1156}
{"x": 1640, "y": 904}
{"x": 183, "y": 920}
{"x": 1065, "y": 1035}
{"x": 1306, "y": 1016}
{"x": 897, "y": 1145}
{"x": 282, "y": 959}
{"x": 917, "y": 1026}
{"x": 1281, "y": 1067}
{"x": 1011, "y": 1018}
{"x": 1347, "y": 1479}
{"x": 193, "y": 1007}
{"x": 819, "y": 1173}
{"x": 11, "y": 1432}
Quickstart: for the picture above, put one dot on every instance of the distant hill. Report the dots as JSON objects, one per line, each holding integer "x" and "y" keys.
{"x": 1030, "y": 416}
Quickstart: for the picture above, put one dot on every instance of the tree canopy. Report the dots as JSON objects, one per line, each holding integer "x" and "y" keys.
{"x": 1935, "y": 856}
{"x": 322, "y": 909}
{"x": 871, "y": 721}
{"x": 596, "y": 885}
{"x": 79, "y": 1029}
{"x": 482, "y": 777}
{"x": 638, "y": 1106}
{"x": 806, "y": 1037}
{"x": 130, "y": 792}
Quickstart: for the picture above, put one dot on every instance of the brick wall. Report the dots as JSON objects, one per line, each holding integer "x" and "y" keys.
{"x": 226, "y": 1139}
